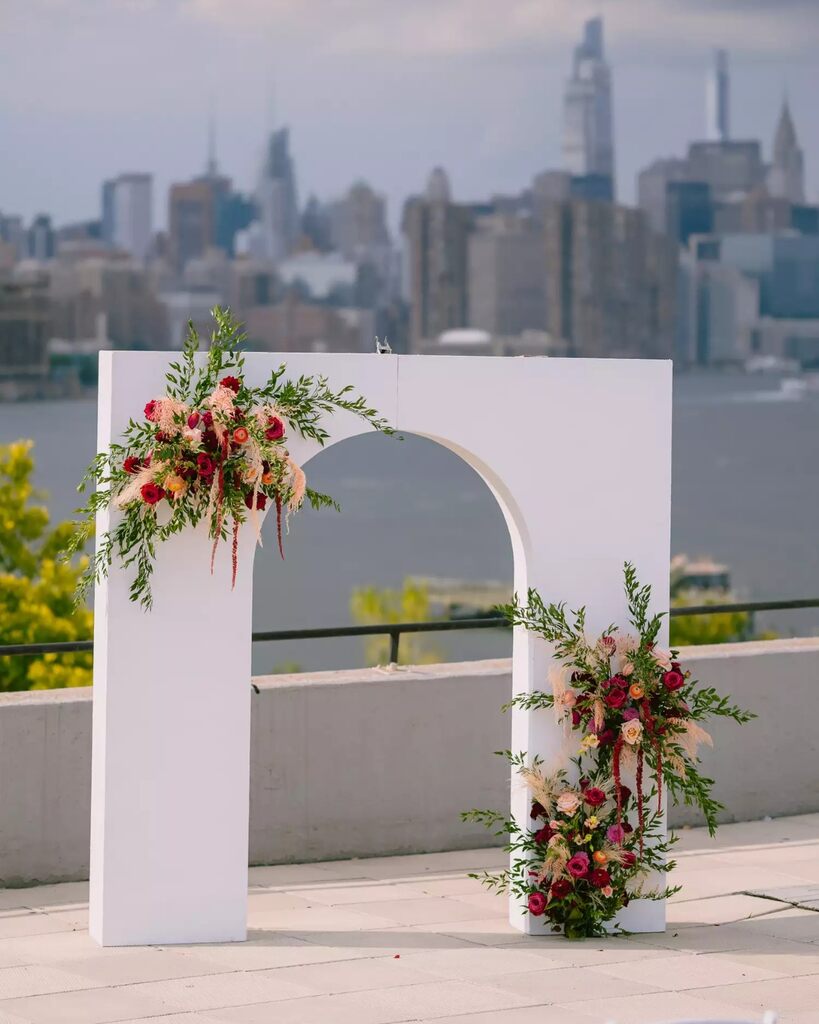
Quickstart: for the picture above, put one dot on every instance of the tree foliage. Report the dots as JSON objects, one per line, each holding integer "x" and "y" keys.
{"x": 36, "y": 587}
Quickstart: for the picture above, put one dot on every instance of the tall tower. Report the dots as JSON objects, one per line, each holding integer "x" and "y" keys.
{"x": 786, "y": 177}
{"x": 276, "y": 200}
{"x": 718, "y": 100}
{"x": 588, "y": 138}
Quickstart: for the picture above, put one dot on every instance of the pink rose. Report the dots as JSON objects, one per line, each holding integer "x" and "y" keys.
{"x": 630, "y": 714}
{"x": 615, "y": 834}
{"x": 568, "y": 803}
{"x": 537, "y": 903}
{"x": 673, "y": 679}
{"x": 578, "y": 866}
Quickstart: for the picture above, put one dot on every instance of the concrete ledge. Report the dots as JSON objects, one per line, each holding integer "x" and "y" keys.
{"x": 373, "y": 762}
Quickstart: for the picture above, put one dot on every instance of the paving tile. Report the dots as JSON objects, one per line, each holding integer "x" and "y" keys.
{"x": 554, "y": 950}
{"x": 352, "y": 975}
{"x": 567, "y": 984}
{"x": 427, "y": 910}
{"x": 525, "y": 1015}
{"x": 52, "y": 947}
{"x": 177, "y": 1018}
{"x": 266, "y": 952}
{"x": 262, "y": 901}
{"x": 492, "y": 931}
{"x": 719, "y": 910}
{"x": 139, "y": 965}
{"x": 348, "y": 1008}
{"x": 478, "y": 962}
{"x": 34, "y": 980}
{"x": 284, "y": 875}
{"x": 214, "y": 991}
{"x": 653, "y": 1008}
{"x": 781, "y": 956}
{"x": 362, "y": 891}
{"x": 27, "y": 922}
{"x": 91, "y": 1006}
{"x": 791, "y": 923}
{"x": 677, "y": 973}
{"x": 784, "y": 995}
{"x": 317, "y": 918}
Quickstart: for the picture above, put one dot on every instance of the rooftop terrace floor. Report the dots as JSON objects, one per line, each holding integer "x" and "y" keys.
{"x": 412, "y": 939}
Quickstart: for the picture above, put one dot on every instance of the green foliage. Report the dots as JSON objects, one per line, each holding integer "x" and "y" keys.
{"x": 719, "y": 628}
{"x": 36, "y": 588}
{"x": 372, "y": 605}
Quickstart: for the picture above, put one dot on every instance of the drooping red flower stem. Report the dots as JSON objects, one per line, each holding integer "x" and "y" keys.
{"x": 279, "y": 522}
{"x": 220, "y": 499}
{"x": 235, "y": 553}
{"x": 640, "y": 795}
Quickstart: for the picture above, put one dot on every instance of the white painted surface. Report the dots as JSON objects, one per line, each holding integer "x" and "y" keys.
{"x": 578, "y": 453}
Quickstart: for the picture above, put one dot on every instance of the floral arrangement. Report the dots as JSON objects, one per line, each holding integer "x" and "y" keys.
{"x": 211, "y": 448}
{"x": 638, "y": 713}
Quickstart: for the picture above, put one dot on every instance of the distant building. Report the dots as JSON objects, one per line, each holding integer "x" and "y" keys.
{"x": 652, "y": 189}
{"x": 507, "y": 276}
{"x": 41, "y": 239}
{"x": 786, "y": 177}
{"x": 588, "y": 137}
{"x": 718, "y": 100}
{"x": 24, "y": 328}
{"x": 193, "y": 218}
{"x": 358, "y": 223}
{"x": 731, "y": 169}
{"x": 318, "y": 275}
{"x": 315, "y": 225}
{"x": 436, "y": 233}
{"x": 276, "y": 229}
{"x": 689, "y": 210}
{"x": 296, "y": 326}
{"x": 611, "y": 281}
{"x": 127, "y": 214}
{"x": 13, "y": 236}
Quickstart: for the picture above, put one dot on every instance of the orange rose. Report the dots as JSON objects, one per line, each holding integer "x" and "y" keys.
{"x": 240, "y": 435}
{"x": 636, "y": 691}
{"x": 599, "y": 857}
{"x": 267, "y": 478}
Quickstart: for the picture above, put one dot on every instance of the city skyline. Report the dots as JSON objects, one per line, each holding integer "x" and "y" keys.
{"x": 390, "y": 124}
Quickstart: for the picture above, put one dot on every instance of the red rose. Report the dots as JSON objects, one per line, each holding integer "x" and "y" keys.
{"x": 261, "y": 500}
{"x": 628, "y": 859}
{"x": 232, "y": 383}
{"x": 673, "y": 679}
{"x": 275, "y": 429}
{"x": 578, "y": 866}
{"x": 625, "y": 793}
{"x": 150, "y": 410}
{"x": 193, "y": 419}
{"x": 576, "y": 719}
{"x": 151, "y": 493}
{"x": 544, "y": 834}
{"x": 584, "y": 784}
{"x": 616, "y": 698}
{"x": 606, "y": 737}
{"x": 538, "y": 810}
{"x": 204, "y": 463}
{"x": 207, "y": 418}
{"x": 537, "y": 903}
{"x": 161, "y": 436}
{"x": 594, "y": 796}
{"x": 600, "y": 878}
{"x": 132, "y": 464}
{"x": 562, "y": 887}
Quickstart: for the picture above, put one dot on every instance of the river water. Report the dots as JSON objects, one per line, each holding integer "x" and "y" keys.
{"x": 745, "y": 491}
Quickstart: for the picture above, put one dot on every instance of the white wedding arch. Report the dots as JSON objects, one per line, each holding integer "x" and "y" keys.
{"x": 577, "y": 453}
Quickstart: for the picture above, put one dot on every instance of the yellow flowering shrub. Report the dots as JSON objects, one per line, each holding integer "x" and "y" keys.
{"x": 36, "y": 588}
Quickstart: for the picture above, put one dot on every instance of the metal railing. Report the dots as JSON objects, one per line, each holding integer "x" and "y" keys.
{"x": 395, "y": 630}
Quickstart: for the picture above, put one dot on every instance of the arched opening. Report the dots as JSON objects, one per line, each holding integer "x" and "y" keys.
{"x": 414, "y": 514}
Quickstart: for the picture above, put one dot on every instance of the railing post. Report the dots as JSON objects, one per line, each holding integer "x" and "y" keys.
{"x": 395, "y": 637}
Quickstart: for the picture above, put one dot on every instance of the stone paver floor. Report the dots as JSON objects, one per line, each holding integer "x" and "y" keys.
{"x": 412, "y": 939}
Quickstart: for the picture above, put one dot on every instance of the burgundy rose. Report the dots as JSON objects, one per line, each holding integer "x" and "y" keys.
{"x": 576, "y": 718}
{"x": 193, "y": 419}
{"x": 210, "y": 440}
{"x": 132, "y": 464}
{"x": 151, "y": 493}
{"x": 275, "y": 429}
{"x": 584, "y": 784}
{"x": 207, "y": 418}
{"x": 600, "y": 878}
{"x": 560, "y": 888}
{"x": 621, "y": 681}
{"x": 538, "y": 810}
{"x": 673, "y": 679}
{"x": 204, "y": 464}
{"x": 578, "y": 866}
{"x": 232, "y": 383}
{"x": 261, "y": 500}
{"x": 544, "y": 834}
{"x": 628, "y": 828}
{"x": 150, "y": 410}
{"x": 606, "y": 737}
{"x": 628, "y": 859}
{"x": 625, "y": 793}
{"x": 162, "y": 437}
{"x": 537, "y": 903}
{"x": 615, "y": 834}
{"x": 616, "y": 698}
{"x": 594, "y": 796}
{"x": 630, "y": 713}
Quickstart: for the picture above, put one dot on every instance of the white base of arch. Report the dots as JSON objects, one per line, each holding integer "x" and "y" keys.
{"x": 578, "y": 454}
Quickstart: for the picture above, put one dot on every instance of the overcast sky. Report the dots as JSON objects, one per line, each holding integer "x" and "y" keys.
{"x": 379, "y": 89}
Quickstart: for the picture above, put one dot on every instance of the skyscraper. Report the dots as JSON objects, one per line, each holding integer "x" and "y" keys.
{"x": 127, "y": 213}
{"x": 588, "y": 142}
{"x": 786, "y": 177}
{"x": 717, "y": 100}
{"x": 277, "y": 227}
{"x": 436, "y": 232}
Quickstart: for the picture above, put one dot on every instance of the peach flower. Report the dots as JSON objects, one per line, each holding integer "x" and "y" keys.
{"x": 568, "y": 802}
{"x": 662, "y": 657}
{"x": 632, "y": 731}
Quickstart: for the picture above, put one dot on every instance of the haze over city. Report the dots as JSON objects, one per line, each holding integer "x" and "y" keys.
{"x": 382, "y": 91}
